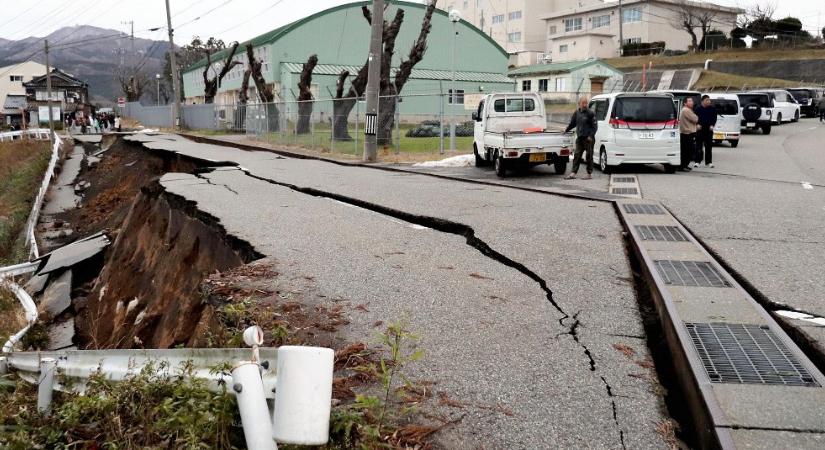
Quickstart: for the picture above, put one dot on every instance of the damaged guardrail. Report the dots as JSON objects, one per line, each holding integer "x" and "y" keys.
{"x": 31, "y": 223}
{"x": 284, "y": 395}
{"x": 28, "y": 305}
{"x": 36, "y": 133}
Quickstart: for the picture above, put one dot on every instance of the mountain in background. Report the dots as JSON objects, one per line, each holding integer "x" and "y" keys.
{"x": 93, "y": 55}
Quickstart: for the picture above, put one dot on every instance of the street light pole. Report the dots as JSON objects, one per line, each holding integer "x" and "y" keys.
{"x": 374, "y": 82}
{"x": 455, "y": 16}
{"x": 174, "y": 61}
{"x": 157, "y": 80}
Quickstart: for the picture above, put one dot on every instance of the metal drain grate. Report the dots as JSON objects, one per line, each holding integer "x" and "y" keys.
{"x": 642, "y": 208}
{"x": 624, "y": 179}
{"x": 660, "y": 233}
{"x": 749, "y": 354}
{"x": 690, "y": 273}
{"x": 624, "y": 191}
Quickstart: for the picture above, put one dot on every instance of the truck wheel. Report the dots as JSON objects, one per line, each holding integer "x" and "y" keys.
{"x": 734, "y": 143}
{"x": 603, "y": 162}
{"x": 501, "y": 171}
{"x": 560, "y": 166}
{"x": 670, "y": 168}
{"x": 479, "y": 161}
{"x": 766, "y": 129}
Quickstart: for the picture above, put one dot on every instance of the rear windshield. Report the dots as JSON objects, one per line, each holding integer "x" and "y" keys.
{"x": 801, "y": 94}
{"x": 760, "y": 99}
{"x": 516, "y": 104}
{"x": 644, "y": 109}
{"x": 726, "y": 106}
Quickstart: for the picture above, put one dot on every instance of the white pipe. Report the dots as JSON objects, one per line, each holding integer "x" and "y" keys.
{"x": 45, "y": 384}
{"x": 707, "y": 63}
{"x": 28, "y": 306}
{"x": 249, "y": 390}
{"x": 303, "y": 395}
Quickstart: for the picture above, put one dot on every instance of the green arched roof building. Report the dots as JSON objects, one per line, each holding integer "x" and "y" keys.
{"x": 340, "y": 37}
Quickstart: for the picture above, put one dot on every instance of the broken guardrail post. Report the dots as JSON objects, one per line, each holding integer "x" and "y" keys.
{"x": 45, "y": 384}
{"x": 249, "y": 391}
{"x": 303, "y": 395}
{"x": 4, "y": 365}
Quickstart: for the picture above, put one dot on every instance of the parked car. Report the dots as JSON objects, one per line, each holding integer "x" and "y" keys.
{"x": 755, "y": 111}
{"x": 728, "y": 124}
{"x": 785, "y": 107}
{"x": 511, "y": 131}
{"x": 808, "y": 99}
{"x": 680, "y": 96}
{"x": 636, "y": 128}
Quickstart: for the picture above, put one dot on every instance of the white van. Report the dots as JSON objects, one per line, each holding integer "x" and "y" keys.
{"x": 785, "y": 107}
{"x": 636, "y": 128}
{"x": 728, "y": 123}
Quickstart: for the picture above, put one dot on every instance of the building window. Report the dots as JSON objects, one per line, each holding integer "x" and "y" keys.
{"x": 543, "y": 85}
{"x": 552, "y": 30}
{"x": 526, "y": 85}
{"x": 572, "y": 24}
{"x": 498, "y": 19}
{"x": 15, "y": 78}
{"x": 514, "y": 37}
{"x": 515, "y": 15}
{"x": 459, "y": 97}
{"x": 466, "y": 4}
{"x": 601, "y": 21}
{"x": 630, "y": 15}
{"x": 563, "y": 48}
{"x": 561, "y": 84}
{"x": 635, "y": 40}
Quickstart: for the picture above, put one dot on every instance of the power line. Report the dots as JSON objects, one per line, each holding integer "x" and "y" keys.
{"x": 250, "y": 19}
{"x": 204, "y": 14}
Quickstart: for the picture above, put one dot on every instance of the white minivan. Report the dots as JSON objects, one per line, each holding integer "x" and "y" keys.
{"x": 636, "y": 128}
{"x": 728, "y": 124}
{"x": 785, "y": 107}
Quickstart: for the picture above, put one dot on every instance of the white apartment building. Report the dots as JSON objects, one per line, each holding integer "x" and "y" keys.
{"x": 12, "y": 92}
{"x": 516, "y": 25}
{"x": 592, "y": 30}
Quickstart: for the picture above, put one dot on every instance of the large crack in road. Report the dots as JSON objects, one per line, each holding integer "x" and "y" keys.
{"x": 447, "y": 226}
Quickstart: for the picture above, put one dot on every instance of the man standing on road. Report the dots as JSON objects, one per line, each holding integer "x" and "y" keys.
{"x": 687, "y": 134}
{"x": 706, "y": 113}
{"x": 584, "y": 121}
{"x": 821, "y": 106}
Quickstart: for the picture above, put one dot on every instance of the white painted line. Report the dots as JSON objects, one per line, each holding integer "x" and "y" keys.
{"x": 793, "y": 314}
{"x": 812, "y": 128}
{"x": 806, "y": 185}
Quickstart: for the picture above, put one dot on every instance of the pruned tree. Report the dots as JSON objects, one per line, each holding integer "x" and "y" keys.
{"x": 389, "y": 87}
{"x": 211, "y": 85}
{"x": 189, "y": 54}
{"x": 305, "y": 96}
{"x": 265, "y": 94}
{"x": 133, "y": 82}
{"x": 243, "y": 99}
{"x": 690, "y": 15}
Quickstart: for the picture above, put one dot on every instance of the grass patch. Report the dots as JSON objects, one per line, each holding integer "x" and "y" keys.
{"x": 22, "y": 165}
{"x": 695, "y": 59}
{"x": 12, "y": 318}
{"x": 711, "y": 80}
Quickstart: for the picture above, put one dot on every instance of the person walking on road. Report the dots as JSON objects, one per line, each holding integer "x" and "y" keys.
{"x": 584, "y": 121}
{"x": 687, "y": 134}
{"x": 706, "y": 113}
{"x": 821, "y": 107}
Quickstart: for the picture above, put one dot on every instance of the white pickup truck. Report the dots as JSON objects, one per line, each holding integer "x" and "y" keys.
{"x": 511, "y": 132}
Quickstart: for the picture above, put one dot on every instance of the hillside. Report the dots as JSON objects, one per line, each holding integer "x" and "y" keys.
{"x": 94, "y": 61}
{"x": 698, "y": 59}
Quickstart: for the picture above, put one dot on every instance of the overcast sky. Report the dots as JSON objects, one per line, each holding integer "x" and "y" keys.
{"x": 232, "y": 19}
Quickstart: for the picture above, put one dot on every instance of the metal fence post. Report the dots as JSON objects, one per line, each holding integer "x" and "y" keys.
{"x": 440, "y": 121}
{"x": 397, "y": 126}
{"x": 249, "y": 390}
{"x": 357, "y": 112}
{"x": 45, "y": 384}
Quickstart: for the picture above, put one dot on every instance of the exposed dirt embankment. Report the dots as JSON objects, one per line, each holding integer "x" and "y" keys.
{"x": 147, "y": 295}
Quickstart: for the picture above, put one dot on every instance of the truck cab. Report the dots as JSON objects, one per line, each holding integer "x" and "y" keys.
{"x": 511, "y": 132}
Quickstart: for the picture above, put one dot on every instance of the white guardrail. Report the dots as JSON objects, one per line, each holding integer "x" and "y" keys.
{"x": 34, "y": 133}
{"x": 31, "y": 224}
{"x": 284, "y": 395}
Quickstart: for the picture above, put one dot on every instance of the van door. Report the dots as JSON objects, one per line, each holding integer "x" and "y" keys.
{"x": 727, "y": 117}
{"x": 600, "y": 107}
{"x": 644, "y": 126}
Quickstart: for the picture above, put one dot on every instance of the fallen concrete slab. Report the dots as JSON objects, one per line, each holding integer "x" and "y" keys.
{"x": 74, "y": 253}
{"x": 58, "y": 296}
{"x": 61, "y": 335}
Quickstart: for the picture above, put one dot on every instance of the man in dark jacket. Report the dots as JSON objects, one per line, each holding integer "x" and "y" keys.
{"x": 706, "y": 113}
{"x": 584, "y": 121}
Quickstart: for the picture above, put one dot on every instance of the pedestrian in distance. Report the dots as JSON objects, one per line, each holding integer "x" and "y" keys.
{"x": 687, "y": 134}
{"x": 117, "y": 123}
{"x": 706, "y": 113}
{"x": 584, "y": 121}
{"x": 821, "y": 107}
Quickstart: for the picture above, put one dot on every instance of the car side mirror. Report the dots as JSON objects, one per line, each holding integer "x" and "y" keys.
{"x": 476, "y": 116}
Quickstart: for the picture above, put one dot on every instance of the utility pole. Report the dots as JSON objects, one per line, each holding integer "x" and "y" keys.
{"x": 621, "y": 35}
{"x": 174, "y": 60}
{"x": 49, "y": 91}
{"x": 373, "y": 82}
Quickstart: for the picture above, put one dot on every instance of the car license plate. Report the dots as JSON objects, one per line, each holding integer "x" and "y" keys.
{"x": 538, "y": 157}
{"x": 718, "y": 136}
{"x": 751, "y": 124}
{"x": 646, "y": 135}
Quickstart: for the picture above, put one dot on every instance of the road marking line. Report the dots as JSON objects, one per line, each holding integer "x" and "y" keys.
{"x": 812, "y": 128}
{"x": 806, "y": 185}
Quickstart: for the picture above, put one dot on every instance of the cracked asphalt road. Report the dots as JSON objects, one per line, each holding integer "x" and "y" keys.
{"x": 530, "y": 375}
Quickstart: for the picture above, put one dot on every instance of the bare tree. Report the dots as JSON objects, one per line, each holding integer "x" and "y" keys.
{"x": 265, "y": 93}
{"x": 132, "y": 83}
{"x": 690, "y": 15}
{"x": 305, "y": 95}
{"x": 389, "y": 88}
{"x": 210, "y": 85}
